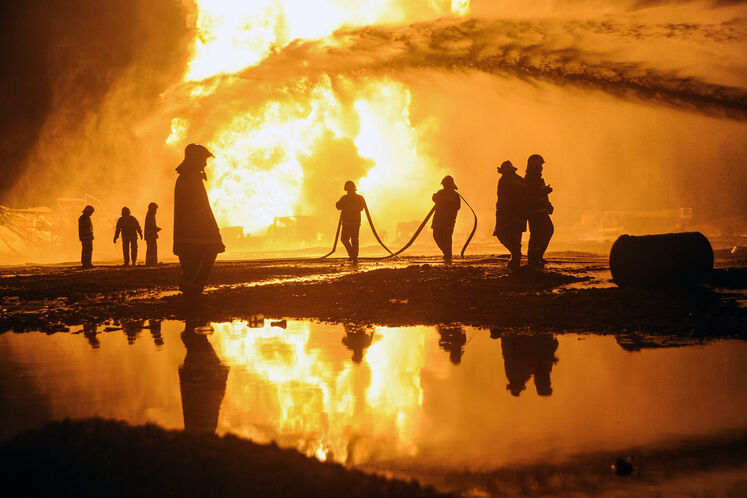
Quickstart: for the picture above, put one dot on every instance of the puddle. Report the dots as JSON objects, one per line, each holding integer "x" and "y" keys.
{"x": 416, "y": 401}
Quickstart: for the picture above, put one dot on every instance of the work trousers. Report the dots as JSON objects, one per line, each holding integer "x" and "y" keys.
{"x": 442, "y": 236}
{"x": 129, "y": 246}
{"x": 540, "y": 233}
{"x": 86, "y": 252}
{"x": 151, "y": 252}
{"x": 196, "y": 265}
{"x": 510, "y": 237}
{"x": 349, "y": 238}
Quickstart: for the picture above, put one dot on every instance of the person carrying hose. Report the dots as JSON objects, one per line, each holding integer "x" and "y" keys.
{"x": 447, "y": 204}
{"x": 510, "y": 212}
{"x": 538, "y": 212}
{"x": 351, "y": 204}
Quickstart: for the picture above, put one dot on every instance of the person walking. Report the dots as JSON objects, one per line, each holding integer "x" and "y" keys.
{"x": 128, "y": 226}
{"x": 510, "y": 212}
{"x": 85, "y": 234}
{"x": 539, "y": 210}
{"x": 197, "y": 239}
{"x": 351, "y": 204}
{"x": 447, "y": 202}
{"x": 151, "y": 235}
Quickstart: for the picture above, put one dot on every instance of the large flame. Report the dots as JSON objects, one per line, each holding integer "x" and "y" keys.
{"x": 322, "y": 402}
{"x": 233, "y": 35}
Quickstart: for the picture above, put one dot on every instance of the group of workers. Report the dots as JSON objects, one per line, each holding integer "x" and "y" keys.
{"x": 197, "y": 239}
{"x": 129, "y": 228}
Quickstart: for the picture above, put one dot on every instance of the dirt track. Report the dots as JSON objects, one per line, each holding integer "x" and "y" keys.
{"x": 570, "y": 295}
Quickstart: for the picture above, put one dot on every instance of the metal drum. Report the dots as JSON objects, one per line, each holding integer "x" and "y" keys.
{"x": 662, "y": 260}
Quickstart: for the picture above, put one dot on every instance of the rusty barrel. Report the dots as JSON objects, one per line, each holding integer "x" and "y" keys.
{"x": 662, "y": 260}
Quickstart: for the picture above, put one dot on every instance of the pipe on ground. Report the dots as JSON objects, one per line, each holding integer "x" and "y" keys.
{"x": 662, "y": 260}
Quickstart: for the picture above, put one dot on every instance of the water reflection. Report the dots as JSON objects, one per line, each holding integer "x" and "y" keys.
{"x": 526, "y": 356}
{"x": 357, "y": 339}
{"x": 377, "y": 396}
{"x": 202, "y": 381}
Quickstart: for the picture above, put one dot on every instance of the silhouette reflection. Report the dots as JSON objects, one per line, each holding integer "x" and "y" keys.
{"x": 131, "y": 329}
{"x": 154, "y": 324}
{"x": 357, "y": 339}
{"x": 202, "y": 381}
{"x": 90, "y": 331}
{"x": 525, "y": 356}
{"x": 452, "y": 339}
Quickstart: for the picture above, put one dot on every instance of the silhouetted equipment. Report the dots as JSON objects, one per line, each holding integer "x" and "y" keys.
{"x": 661, "y": 260}
{"x": 202, "y": 380}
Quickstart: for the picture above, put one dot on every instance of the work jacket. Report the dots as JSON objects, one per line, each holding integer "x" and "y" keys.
{"x": 129, "y": 227}
{"x": 447, "y": 204}
{"x": 510, "y": 208}
{"x": 151, "y": 229}
{"x": 351, "y": 205}
{"x": 194, "y": 223}
{"x": 85, "y": 227}
{"x": 537, "y": 200}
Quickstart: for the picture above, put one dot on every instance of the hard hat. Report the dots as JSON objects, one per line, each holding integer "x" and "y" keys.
{"x": 88, "y": 209}
{"x": 125, "y": 211}
{"x": 349, "y": 186}
{"x": 196, "y": 152}
{"x": 506, "y": 166}
{"x": 448, "y": 181}
{"x": 152, "y": 205}
{"x": 535, "y": 159}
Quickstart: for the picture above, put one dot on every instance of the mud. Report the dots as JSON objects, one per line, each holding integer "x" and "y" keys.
{"x": 573, "y": 294}
{"x": 108, "y": 458}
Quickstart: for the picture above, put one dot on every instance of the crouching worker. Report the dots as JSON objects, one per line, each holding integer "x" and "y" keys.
{"x": 447, "y": 205}
{"x": 197, "y": 240}
{"x": 510, "y": 212}
{"x": 351, "y": 204}
{"x": 128, "y": 226}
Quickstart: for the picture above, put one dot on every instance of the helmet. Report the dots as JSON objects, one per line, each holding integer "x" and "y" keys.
{"x": 152, "y": 205}
{"x": 196, "y": 152}
{"x": 125, "y": 211}
{"x": 505, "y": 167}
{"x": 535, "y": 159}
{"x": 349, "y": 186}
{"x": 88, "y": 209}
{"x": 448, "y": 181}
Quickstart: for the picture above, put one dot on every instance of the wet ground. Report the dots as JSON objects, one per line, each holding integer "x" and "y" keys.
{"x": 466, "y": 377}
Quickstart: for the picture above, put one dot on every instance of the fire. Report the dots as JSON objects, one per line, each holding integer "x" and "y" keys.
{"x": 262, "y": 155}
{"x": 234, "y": 35}
{"x": 258, "y": 171}
{"x": 321, "y": 402}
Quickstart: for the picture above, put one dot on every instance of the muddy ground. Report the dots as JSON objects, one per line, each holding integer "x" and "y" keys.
{"x": 573, "y": 294}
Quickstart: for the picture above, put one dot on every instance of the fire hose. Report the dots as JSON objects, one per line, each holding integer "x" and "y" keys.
{"x": 412, "y": 239}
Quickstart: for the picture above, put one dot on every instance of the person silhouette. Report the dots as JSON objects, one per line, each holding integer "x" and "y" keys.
{"x": 525, "y": 356}
{"x": 197, "y": 239}
{"x": 202, "y": 382}
{"x": 357, "y": 339}
{"x": 452, "y": 339}
{"x": 85, "y": 234}
{"x": 129, "y": 227}
{"x": 90, "y": 332}
{"x": 539, "y": 210}
{"x": 510, "y": 212}
{"x": 154, "y": 324}
{"x": 132, "y": 329}
{"x": 447, "y": 202}
{"x": 151, "y": 235}
{"x": 351, "y": 204}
